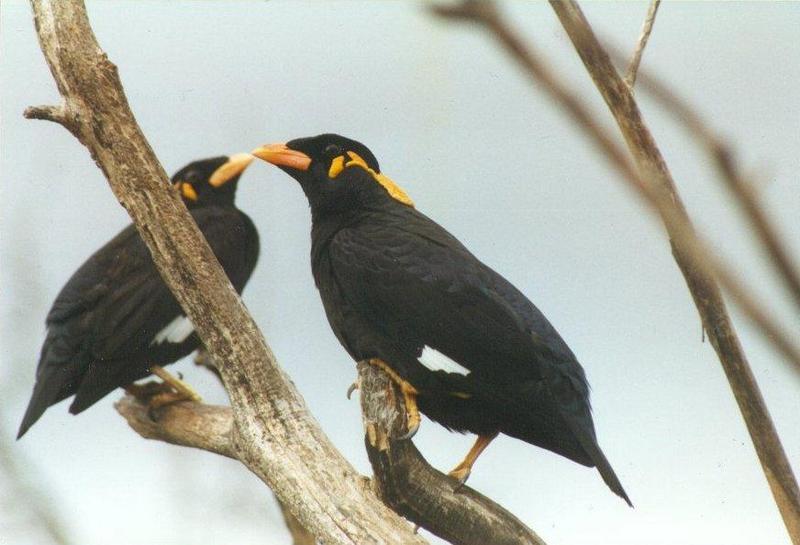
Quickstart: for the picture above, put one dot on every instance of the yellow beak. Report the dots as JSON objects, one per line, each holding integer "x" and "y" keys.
{"x": 235, "y": 166}
{"x": 280, "y": 155}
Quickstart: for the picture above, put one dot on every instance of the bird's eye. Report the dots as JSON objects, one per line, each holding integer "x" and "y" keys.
{"x": 332, "y": 150}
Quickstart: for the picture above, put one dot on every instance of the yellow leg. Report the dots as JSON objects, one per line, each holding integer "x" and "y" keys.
{"x": 461, "y": 471}
{"x": 144, "y": 392}
{"x": 409, "y": 396}
{"x": 182, "y": 391}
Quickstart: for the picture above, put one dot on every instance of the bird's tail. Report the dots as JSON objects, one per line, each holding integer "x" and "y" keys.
{"x": 36, "y": 407}
{"x": 588, "y": 441}
{"x": 55, "y": 377}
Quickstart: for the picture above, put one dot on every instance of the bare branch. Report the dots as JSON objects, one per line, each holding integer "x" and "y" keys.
{"x": 300, "y": 536}
{"x": 644, "y": 36}
{"x": 413, "y": 488}
{"x": 55, "y": 114}
{"x": 704, "y": 289}
{"x": 273, "y": 433}
{"x": 662, "y": 196}
{"x": 187, "y": 424}
{"x": 195, "y": 425}
{"x": 742, "y": 189}
{"x": 698, "y": 252}
{"x": 403, "y": 479}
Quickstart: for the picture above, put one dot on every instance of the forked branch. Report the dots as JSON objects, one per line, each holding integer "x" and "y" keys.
{"x": 268, "y": 428}
{"x": 644, "y": 37}
{"x": 272, "y": 431}
{"x": 652, "y": 180}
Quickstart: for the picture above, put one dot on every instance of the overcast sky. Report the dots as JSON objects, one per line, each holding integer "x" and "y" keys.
{"x": 489, "y": 157}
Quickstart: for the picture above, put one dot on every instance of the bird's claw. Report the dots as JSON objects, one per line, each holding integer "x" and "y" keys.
{"x": 181, "y": 390}
{"x": 413, "y": 427}
{"x": 353, "y": 387}
{"x": 460, "y": 474}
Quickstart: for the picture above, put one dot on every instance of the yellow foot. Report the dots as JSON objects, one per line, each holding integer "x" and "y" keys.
{"x": 412, "y": 411}
{"x": 461, "y": 474}
{"x": 143, "y": 392}
{"x": 409, "y": 397}
{"x": 183, "y": 390}
{"x": 462, "y": 471}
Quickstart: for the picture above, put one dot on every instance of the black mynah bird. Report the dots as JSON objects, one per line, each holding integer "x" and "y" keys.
{"x": 116, "y": 321}
{"x": 465, "y": 346}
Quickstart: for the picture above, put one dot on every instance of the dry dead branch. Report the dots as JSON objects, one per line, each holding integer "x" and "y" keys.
{"x": 652, "y": 180}
{"x": 644, "y": 36}
{"x": 272, "y": 432}
{"x": 268, "y": 428}
{"x": 745, "y": 191}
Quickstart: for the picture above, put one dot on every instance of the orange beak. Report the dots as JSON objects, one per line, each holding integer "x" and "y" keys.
{"x": 233, "y": 167}
{"x": 280, "y": 155}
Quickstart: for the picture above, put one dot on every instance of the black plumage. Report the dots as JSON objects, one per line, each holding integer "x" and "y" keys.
{"x": 115, "y": 317}
{"x": 468, "y": 347}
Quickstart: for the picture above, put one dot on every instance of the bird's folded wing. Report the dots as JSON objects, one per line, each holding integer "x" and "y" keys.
{"x": 435, "y": 295}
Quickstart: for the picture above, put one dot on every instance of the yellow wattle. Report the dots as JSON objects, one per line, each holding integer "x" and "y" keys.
{"x": 388, "y": 184}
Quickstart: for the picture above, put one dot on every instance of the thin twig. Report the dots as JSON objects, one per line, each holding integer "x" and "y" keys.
{"x": 45, "y": 113}
{"x": 742, "y": 189}
{"x": 644, "y": 36}
{"x": 704, "y": 289}
{"x": 661, "y": 194}
{"x": 703, "y": 258}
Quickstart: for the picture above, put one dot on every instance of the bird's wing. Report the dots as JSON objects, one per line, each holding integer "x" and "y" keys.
{"x": 90, "y": 282}
{"x": 415, "y": 281}
{"x": 111, "y": 298}
{"x": 117, "y": 299}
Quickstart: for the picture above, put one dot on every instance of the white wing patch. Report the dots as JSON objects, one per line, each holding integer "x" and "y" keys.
{"x": 436, "y": 361}
{"x": 175, "y": 332}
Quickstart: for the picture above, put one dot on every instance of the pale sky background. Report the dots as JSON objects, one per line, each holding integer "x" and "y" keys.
{"x": 489, "y": 157}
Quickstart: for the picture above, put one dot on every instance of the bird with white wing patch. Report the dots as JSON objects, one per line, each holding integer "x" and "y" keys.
{"x": 115, "y": 321}
{"x": 464, "y": 346}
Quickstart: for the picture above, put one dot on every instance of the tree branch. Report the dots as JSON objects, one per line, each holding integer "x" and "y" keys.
{"x": 186, "y": 424}
{"x": 644, "y": 36}
{"x": 56, "y": 114}
{"x": 697, "y": 251}
{"x": 740, "y": 187}
{"x": 403, "y": 479}
{"x": 691, "y": 256}
{"x": 704, "y": 289}
{"x": 205, "y": 427}
{"x": 272, "y": 433}
{"x": 427, "y": 497}
{"x": 300, "y": 535}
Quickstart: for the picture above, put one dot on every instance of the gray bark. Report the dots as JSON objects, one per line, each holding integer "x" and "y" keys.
{"x": 272, "y": 432}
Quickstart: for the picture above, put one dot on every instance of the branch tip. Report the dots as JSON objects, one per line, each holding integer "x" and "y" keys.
{"x": 46, "y": 112}
{"x": 644, "y": 36}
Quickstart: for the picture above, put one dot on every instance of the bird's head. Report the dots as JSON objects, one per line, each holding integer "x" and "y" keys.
{"x": 337, "y": 174}
{"x": 211, "y": 181}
